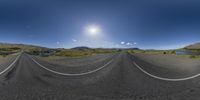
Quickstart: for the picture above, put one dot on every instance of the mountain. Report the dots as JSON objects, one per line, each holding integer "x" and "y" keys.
{"x": 21, "y": 46}
{"x": 134, "y": 48}
{"x": 195, "y": 46}
{"x": 82, "y": 48}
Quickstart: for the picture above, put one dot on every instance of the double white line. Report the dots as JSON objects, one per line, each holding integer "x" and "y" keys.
{"x": 68, "y": 74}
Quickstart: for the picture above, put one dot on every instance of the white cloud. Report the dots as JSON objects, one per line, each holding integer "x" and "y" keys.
{"x": 58, "y": 42}
{"x": 74, "y": 40}
{"x": 122, "y": 42}
{"x": 134, "y": 43}
{"x": 128, "y": 44}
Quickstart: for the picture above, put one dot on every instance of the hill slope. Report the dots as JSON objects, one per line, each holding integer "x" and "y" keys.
{"x": 195, "y": 46}
{"x": 20, "y": 46}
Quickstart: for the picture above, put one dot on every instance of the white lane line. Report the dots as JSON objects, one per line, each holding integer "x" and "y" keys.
{"x": 68, "y": 74}
{"x": 10, "y": 64}
{"x": 165, "y": 79}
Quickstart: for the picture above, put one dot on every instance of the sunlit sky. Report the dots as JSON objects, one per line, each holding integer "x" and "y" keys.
{"x": 101, "y": 23}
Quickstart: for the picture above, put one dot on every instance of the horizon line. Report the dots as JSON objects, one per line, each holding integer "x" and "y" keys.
{"x": 38, "y": 45}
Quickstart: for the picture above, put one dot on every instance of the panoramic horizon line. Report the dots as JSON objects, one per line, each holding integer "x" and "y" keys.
{"x": 38, "y": 45}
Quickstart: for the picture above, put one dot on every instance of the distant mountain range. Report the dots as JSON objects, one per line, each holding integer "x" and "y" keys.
{"x": 21, "y": 46}
{"x": 193, "y": 46}
{"x": 28, "y": 47}
{"x": 81, "y": 48}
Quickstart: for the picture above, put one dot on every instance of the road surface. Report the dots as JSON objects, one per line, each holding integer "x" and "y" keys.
{"x": 118, "y": 79}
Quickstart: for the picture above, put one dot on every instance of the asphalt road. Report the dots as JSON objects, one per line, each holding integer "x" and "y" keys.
{"x": 120, "y": 79}
{"x": 175, "y": 69}
{"x": 79, "y": 65}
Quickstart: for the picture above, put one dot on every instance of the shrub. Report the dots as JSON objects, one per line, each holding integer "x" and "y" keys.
{"x": 173, "y": 52}
{"x": 192, "y": 56}
{"x": 4, "y": 55}
{"x": 131, "y": 51}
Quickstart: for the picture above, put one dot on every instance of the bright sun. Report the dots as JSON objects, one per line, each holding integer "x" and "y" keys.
{"x": 93, "y": 30}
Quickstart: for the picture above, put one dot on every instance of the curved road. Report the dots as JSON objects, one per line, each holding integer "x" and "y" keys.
{"x": 80, "y": 68}
{"x": 118, "y": 80}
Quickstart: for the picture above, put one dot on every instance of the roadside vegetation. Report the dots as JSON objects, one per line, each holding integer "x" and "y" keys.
{"x": 152, "y": 51}
{"x": 167, "y": 52}
{"x": 7, "y": 48}
{"x": 71, "y": 52}
{"x": 190, "y": 56}
{"x": 5, "y": 51}
{"x": 82, "y": 53}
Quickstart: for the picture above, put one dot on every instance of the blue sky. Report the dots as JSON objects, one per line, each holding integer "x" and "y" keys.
{"x": 122, "y": 23}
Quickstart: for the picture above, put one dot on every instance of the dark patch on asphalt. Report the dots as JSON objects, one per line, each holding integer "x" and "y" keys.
{"x": 39, "y": 79}
{"x": 192, "y": 90}
{"x": 48, "y": 75}
{"x": 3, "y": 84}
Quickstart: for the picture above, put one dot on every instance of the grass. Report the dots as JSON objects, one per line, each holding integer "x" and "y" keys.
{"x": 152, "y": 51}
{"x": 7, "y": 58}
{"x": 5, "y": 51}
{"x": 197, "y": 57}
{"x": 83, "y": 53}
{"x": 167, "y": 52}
{"x": 71, "y": 52}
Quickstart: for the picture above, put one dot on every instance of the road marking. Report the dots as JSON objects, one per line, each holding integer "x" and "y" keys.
{"x": 68, "y": 74}
{"x": 165, "y": 79}
{"x": 10, "y": 64}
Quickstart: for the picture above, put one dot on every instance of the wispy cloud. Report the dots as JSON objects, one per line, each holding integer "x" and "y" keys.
{"x": 129, "y": 44}
{"x": 122, "y": 42}
{"x": 74, "y": 40}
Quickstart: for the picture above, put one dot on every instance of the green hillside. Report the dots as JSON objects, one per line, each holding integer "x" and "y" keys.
{"x": 195, "y": 46}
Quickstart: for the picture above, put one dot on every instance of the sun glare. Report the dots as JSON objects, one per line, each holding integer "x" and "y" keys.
{"x": 93, "y": 30}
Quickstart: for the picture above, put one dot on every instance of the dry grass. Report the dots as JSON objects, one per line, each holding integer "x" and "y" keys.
{"x": 189, "y": 56}
{"x": 152, "y": 51}
{"x": 81, "y": 53}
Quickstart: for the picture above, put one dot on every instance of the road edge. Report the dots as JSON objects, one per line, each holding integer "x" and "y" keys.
{"x": 165, "y": 79}
{"x": 9, "y": 66}
{"x": 67, "y": 74}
